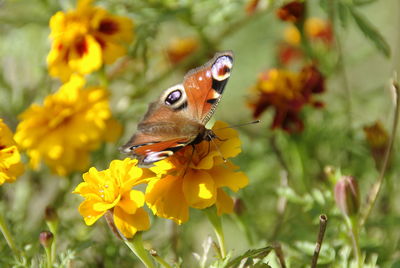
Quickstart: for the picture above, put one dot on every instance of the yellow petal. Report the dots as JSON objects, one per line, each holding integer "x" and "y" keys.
{"x": 199, "y": 189}
{"x": 129, "y": 224}
{"x": 130, "y": 201}
{"x": 88, "y": 213}
{"x": 224, "y": 203}
{"x": 225, "y": 176}
{"x": 85, "y": 57}
{"x": 166, "y": 199}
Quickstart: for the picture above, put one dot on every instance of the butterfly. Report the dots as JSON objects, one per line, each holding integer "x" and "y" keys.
{"x": 178, "y": 117}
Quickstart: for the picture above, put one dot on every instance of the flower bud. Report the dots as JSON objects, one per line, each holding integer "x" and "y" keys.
{"x": 46, "y": 239}
{"x": 50, "y": 214}
{"x": 347, "y": 195}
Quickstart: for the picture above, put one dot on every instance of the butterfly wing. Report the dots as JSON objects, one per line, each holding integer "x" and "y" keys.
{"x": 179, "y": 116}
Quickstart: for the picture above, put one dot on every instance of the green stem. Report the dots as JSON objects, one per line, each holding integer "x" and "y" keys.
{"x": 159, "y": 259}
{"x": 353, "y": 225}
{"x": 7, "y": 235}
{"x": 53, "y": 226}
{"x": 216, "y": 223}
{"x": 374, "y": 192}
{"x": 49, "y": 258}
{"x": 136, "y": 245}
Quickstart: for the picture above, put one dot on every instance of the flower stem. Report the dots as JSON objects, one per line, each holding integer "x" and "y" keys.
{"x": 136, "y": 245}
{"x": 323, "y": 221}
{"x": 353, "y": 225}
{"x": 216, "y": 223}
{"x": 7, "y": 235}
{"x": 159, "y": 259}
{"x": 373, "y": 193}
{"x": 49, "y": 259}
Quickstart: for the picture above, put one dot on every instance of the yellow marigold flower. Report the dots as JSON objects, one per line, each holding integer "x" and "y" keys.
{"x": 67, "y": 127}
{"x": 10, "y": 160}
{"x": 179, "y": 49}
{"x": 196, "y": 178}
{"x": 315, "y": 29}
{"x": 111, "y": 190}
{"x": 85, "y": 38}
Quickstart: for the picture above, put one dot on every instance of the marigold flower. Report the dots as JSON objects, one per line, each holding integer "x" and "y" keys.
{"x": 287, "y": 92}
{"x": 85, "y": 38}
{"x": 378, "y": 141}
{"x": 67, "y": 127}
{"x": 10, "y": 159}
{"x": 316, "y": 30}
{"x": 196, "y": 178}
{"x": 111, "y": 190}
{"x": 179, "y": 49}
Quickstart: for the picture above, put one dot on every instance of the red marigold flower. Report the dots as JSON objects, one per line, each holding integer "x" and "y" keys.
{"x": 287, "y": 92}
{"x": 292, "y": 11}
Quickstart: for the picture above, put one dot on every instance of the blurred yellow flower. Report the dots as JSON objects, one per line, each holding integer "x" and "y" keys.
{"x": 85, "y": 38}
{"x": 111, "y": 190}
{"x": 315, "y": 28}
{"x": 67, "y": 127}
{"x": 179, "y": 49}
{"x": 196, "y": 178}
{"x": 10, "y": 160}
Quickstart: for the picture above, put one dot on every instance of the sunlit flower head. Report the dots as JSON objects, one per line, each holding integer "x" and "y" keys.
{"x": 85, "y": 38}
{"x": 10, "y": 160}
{"x": 197, "y": 179}
{"x": 179, "y": 49}
{"x": 286, "y": 92}
{"x": 378, "y": 140}
{"x": 111, "y": 190}
{"x": 67, "y": 127}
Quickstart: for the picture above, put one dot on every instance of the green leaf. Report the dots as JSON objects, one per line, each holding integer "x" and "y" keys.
{"x": 362, "y": 2}
{"x": 252, "y": 253}
{"x": 370, "y": 32}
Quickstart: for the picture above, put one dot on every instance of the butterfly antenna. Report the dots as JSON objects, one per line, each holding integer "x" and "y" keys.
{"x": 241, "y": 125}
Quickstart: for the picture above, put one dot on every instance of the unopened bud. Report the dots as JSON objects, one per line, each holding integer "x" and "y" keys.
{"x": 46, "y": 239}
{"x": 50, "y": 214}
{"x": 347, "y": 195}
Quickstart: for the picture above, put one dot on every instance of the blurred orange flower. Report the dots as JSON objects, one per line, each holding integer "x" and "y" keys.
{"x": 10, "y": 160}
{"x": 378, "y": 141}
{"x": 196, "y": 178}
{"x": 111, "y": 190}
{"x": 179, "y": 49}
{"x": 67, "y": 127}
{"x": 315, "y": 28}
{"x": 85, "y": 38}
{"x": 287, "y": 92}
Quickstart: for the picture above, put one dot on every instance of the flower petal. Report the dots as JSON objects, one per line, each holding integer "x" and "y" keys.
{"x": 88, "y": 213}
{"x": 166, "y": 199}
{"x": 224, "y": 202}
{"x": 225, "y": 176}
{"x": 129, "y": 224}
{"x": 199, "y": 189}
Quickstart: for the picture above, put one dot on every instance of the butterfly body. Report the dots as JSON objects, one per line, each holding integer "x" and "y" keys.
{"x": 179, "y": 116}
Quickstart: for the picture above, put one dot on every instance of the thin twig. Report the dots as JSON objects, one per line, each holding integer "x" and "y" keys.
{"x": 374, "y": 192}
{"x": 280, "y": 207}
{"x": 279, "y": 254}
{"x": 323, "y": 221}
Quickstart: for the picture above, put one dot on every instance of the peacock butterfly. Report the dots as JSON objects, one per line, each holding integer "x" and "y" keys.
{"x": 179, "y": 116}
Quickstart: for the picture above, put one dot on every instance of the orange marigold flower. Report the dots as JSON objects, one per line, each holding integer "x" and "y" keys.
{"x": 292, "y": 11}
{"x": 85, "y": 38}
{"x": 10, "y": 160}
{"x": 179, "y": 49}
{"x": 196, "y": 178}
{"x": 67, "y": 127}
{"x": 287, "y": 92}
{"x": 111, "y": 190}
{"x": 378, "y": 141}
